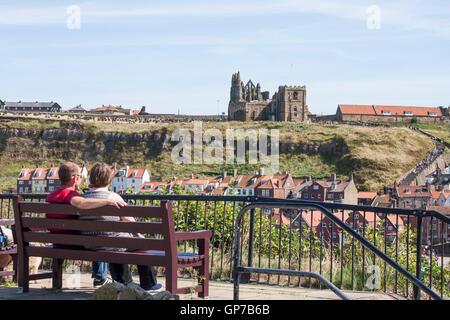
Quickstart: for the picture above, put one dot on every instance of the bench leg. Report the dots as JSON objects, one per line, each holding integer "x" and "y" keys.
{"x": 23, "y": 279}
{"x": 57, "y": 267}
{"x": 14, "y": 257}
{"x": 203, "y": 270}
{"x": 171, "y": 279}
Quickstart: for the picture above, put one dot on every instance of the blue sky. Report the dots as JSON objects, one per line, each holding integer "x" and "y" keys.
{"x": 170, "y": 55}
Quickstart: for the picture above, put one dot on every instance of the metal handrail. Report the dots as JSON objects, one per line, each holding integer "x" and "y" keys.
{"x": 330, "y": 215}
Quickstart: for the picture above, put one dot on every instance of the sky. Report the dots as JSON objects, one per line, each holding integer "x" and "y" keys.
{"x": 179, "y": 56}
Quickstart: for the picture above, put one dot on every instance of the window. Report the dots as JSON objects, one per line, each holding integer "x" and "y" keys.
{"x": 324, "y": 224}
{"x": 432, "y": 114}
{"x": 331, "y": 224}
{"x": 433, "y": 227}
{"x": 26, "y": 189}
{"x": 316, "y": 187}
{"x": 51, "y": 188}
{"x": 305, "y": 196}
{"x": 132, "y": 180}
{"x": 386, "y": 113}
{"x": 319, "y": 196}
{"x": 356, "y": 216}
{"x": 20, "y": 182}
{"x": 51, "y": 181}
{"x": 390, "y": 228}
{"x": 20, "y": 189}
{"x": 330, "y": 196}
{"x": 408, "y": 113}
{"x": 334, "y": 235}
{"x": 312, "y": 196}
{"x": 391, "y": 238}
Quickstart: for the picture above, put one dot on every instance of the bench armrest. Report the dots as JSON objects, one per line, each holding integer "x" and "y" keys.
{"x": 201, "y": 234}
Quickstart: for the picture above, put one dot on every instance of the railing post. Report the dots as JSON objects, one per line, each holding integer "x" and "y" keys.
{"x": 416, "y": 290}
{"x": 246, "y": 276}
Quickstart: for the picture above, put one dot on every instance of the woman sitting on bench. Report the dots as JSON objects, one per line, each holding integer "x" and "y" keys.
{"x": 100, "y": 177}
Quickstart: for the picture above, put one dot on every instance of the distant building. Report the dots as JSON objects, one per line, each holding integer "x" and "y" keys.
{"x": 366, "y": 198}
{"x": 413, "y": 197}
{"x": 249, "y": 103}
{"x": 376, "y": 113}
{"x": 332, "y": 190}
{"x": 32, "y": 106}
{"x": 2, "y": 105}
{"x": 41, "y": 180}
{"x": 106, "y": 110}
{"x": 78, "y": 109}
{"x": 126, "y": 178}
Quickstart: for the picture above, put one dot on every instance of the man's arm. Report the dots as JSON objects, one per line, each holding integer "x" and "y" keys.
{"x": 90, "y": 203}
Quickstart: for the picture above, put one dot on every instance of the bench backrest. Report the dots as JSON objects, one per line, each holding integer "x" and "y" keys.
{"x": 34, "y": 228}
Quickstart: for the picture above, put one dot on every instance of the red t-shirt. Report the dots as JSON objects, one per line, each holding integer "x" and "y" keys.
{"x": 61, "y": 196}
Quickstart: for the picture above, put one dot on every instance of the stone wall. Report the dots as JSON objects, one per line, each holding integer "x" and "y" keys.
{"x": 372, "y": 118}
{"x": 151, "y": 118}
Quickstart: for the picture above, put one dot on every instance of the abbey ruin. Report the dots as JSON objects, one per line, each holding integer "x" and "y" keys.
{"x": 249, "y": 103}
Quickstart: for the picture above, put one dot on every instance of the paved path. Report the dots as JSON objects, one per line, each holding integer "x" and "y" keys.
{"x": 218, "y": 291}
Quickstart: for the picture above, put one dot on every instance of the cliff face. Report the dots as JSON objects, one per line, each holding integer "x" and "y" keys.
{"x": 80, "y": 145}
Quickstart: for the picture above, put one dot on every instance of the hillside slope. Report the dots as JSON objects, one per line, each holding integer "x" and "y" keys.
{"x": 375, "y": 156}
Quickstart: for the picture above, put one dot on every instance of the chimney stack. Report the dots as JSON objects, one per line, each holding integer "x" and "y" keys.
{"x": 333, "y": 177}
{"x": 234, "y": 173}
{"x": 224, "y": 174}
{"x": 192, "y": 176}
{"x": 261, "y": 172}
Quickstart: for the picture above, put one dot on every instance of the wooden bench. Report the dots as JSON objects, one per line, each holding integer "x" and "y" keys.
{"x": 161, "y": 251}
{"x": 11, "y": 251}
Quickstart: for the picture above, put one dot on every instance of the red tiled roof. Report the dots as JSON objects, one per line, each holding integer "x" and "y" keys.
{"x": 414, "y": 192}
{"x": 394, "y": 110}
{"x": 139, "y": 173}
{"x": 27, "y": 172}
{"x": 196, "y": 181}
{"x": 366, "y": 195}
{"x": 42, "y": 174}
{"x": 151, "y": 186}
{"x": 435, "y": 194}
{"x": 136, "y": 112}
{"x": 357, "y": 109}
{"x": 106, "y": 108}
{"x": 54, "y": 171}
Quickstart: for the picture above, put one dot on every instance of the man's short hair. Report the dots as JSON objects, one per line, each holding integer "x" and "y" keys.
{"x": 66, "y": 171}
{"x": 100, "y": 175}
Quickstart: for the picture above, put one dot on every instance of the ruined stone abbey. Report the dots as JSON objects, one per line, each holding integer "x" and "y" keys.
{"x": 249, "y": 103}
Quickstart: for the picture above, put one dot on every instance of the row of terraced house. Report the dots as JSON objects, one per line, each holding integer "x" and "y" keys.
{"x": 283, "y": 186}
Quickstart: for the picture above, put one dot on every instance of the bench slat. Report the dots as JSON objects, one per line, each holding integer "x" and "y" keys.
{"x": 95, "y": 241}
{"x": 132, "y": 211}
{"x": 98, "y": 225}
{"x": 100, "y": 256}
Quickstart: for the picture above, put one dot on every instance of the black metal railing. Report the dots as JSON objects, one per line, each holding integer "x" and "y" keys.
{"x": 312, "y": 241}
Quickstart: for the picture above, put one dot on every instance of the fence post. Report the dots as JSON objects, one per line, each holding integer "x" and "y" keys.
{"x": 245, "y": 277}
{"x": 416, "y": 290}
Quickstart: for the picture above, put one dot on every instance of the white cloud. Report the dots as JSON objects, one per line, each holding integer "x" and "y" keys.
{"x": 409, "y": 15}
